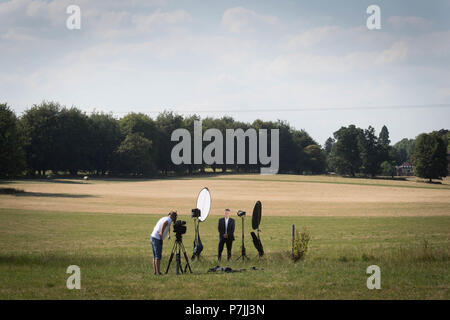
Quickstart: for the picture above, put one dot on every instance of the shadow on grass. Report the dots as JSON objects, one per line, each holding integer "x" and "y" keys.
{"x": 54, "y": 195}
{"x": 56, "y": 259}
{"x": 431, "y": 182}
{"x": 274, "y": 260}
{"x": 22, "y": 193}
{"x": 62, "y": 180}
{"x": 377, "y": 178}
{"x": 2, "y": 181}
{"x": 124, "y": 260}
{"x": 65, "y": 181}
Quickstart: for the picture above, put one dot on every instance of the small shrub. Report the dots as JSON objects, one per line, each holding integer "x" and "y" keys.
{"x": 367, "y": 257}
{"x": 301, "y": 242}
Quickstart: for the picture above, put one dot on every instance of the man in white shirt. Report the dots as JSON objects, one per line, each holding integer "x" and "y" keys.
{"x": 159, "y": 233}
{"x": 226, "y": 234}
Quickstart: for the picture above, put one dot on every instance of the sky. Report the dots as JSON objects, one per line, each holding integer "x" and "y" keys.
{"x": 314, "y": 64}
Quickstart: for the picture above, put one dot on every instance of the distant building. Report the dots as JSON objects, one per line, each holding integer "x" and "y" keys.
{"x": 406, "y": 169}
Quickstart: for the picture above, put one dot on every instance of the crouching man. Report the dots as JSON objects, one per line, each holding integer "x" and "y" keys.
{"x": 159, "y": 233}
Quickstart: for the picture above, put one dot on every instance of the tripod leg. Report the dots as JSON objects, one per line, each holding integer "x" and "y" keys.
{"x": 171, "y": 257}
{"x": 187, "y": 260}
{"x": 179, "y": 269}
{"x": 187, "y": 264}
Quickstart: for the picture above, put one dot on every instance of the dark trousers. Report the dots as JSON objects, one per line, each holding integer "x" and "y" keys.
{"x": 229, "y": 244}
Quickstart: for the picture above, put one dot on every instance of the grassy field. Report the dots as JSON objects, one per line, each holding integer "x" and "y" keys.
{"x": 282, "y": 195}
{"x": 103, "y": 226}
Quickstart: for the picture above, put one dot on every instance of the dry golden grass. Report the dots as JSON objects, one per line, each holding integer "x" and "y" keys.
{"x": 281, "y": 195}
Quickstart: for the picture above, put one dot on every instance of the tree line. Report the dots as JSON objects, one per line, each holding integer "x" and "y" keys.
{"x": 51, "y": 137}
{"x": 360, "y": 151}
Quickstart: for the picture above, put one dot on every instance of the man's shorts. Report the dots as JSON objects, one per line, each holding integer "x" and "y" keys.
{"x": 157, "y": 247}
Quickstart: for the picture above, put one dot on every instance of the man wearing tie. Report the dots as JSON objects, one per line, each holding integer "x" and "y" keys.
{"x": 226, "y": 234}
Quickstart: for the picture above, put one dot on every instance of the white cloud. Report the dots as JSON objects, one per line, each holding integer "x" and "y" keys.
{"x": 148, "y": 22}
{"x": 312, "y": 37}
{"x": 401, "y": 22}
{"x": 129, "y": 55}
{"x": 396, "y": 53}
{"x": 49, "y": 17}
{"x": 239, "y": 19}
{"x": 444, "y": 92}
{"x": 325, "y": 64}
{"x": 9, "y": 7}
{"x": 15, "y": 35}
{"x": 337, "y": 39}
{"x": 432, "y": 44}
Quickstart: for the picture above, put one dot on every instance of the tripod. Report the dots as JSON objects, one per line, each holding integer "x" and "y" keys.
{"x": 243, "y": 255}
{"x": 177, "y": 248}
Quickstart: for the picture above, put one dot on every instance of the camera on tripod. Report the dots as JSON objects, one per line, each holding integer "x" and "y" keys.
{"x": 241, "y": 213}
{"x": 179, "y": 227}
{"x": 196, "y": 213}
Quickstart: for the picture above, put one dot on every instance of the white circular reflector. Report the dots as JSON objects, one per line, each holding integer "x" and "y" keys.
{"x": 204, "y": 203}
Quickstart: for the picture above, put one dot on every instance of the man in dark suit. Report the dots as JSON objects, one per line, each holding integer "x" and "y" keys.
{"x": 226, "y": 234}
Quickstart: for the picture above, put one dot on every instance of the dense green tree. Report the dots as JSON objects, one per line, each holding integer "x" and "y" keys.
{"x": 12, "y": 153}
{"x": 139, "y": 123}
{"x": 345, "y": 155}
{"x": 269, "y": 125}
{"x": 388, "y": 168}
{"x": 73, "y": 141}
{"x": 146, "y": 127}
{"x": 383, "y": 138}
{"x": 105, "y": 138}
{"x": 430, "y": 156}
{"x": 188, "y": 124}
{"x": 371, "y": 152}
{"x": 384, "y": 145}
{"x": 40, "y": 124}
{"x": 305, "y": 154}
{"x": 403, "y": 151}
{"x": 329, "y": 145}
{"x": 288, "y": 155}
{"x": 394, "y": 155}
{"x": 316, "y": 158}
{"x": 66, "y": 139}
{"x": 134, "y": 156}
{"x": 445, "y": 135}
{"x": 167, "y": 122}
{"x": 222, "y": 124}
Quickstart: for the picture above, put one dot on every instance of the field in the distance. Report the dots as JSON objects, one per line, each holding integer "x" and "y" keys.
{"x": 282, "y": 195}
{"x": 103, "y": 226}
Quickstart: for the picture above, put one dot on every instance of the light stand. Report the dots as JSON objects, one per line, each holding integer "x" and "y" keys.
{"x": 243, "y": 255}
{"x": 196, "y": 252}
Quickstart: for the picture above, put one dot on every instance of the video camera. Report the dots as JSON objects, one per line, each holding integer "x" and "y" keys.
{"x": 179, "y": 227}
